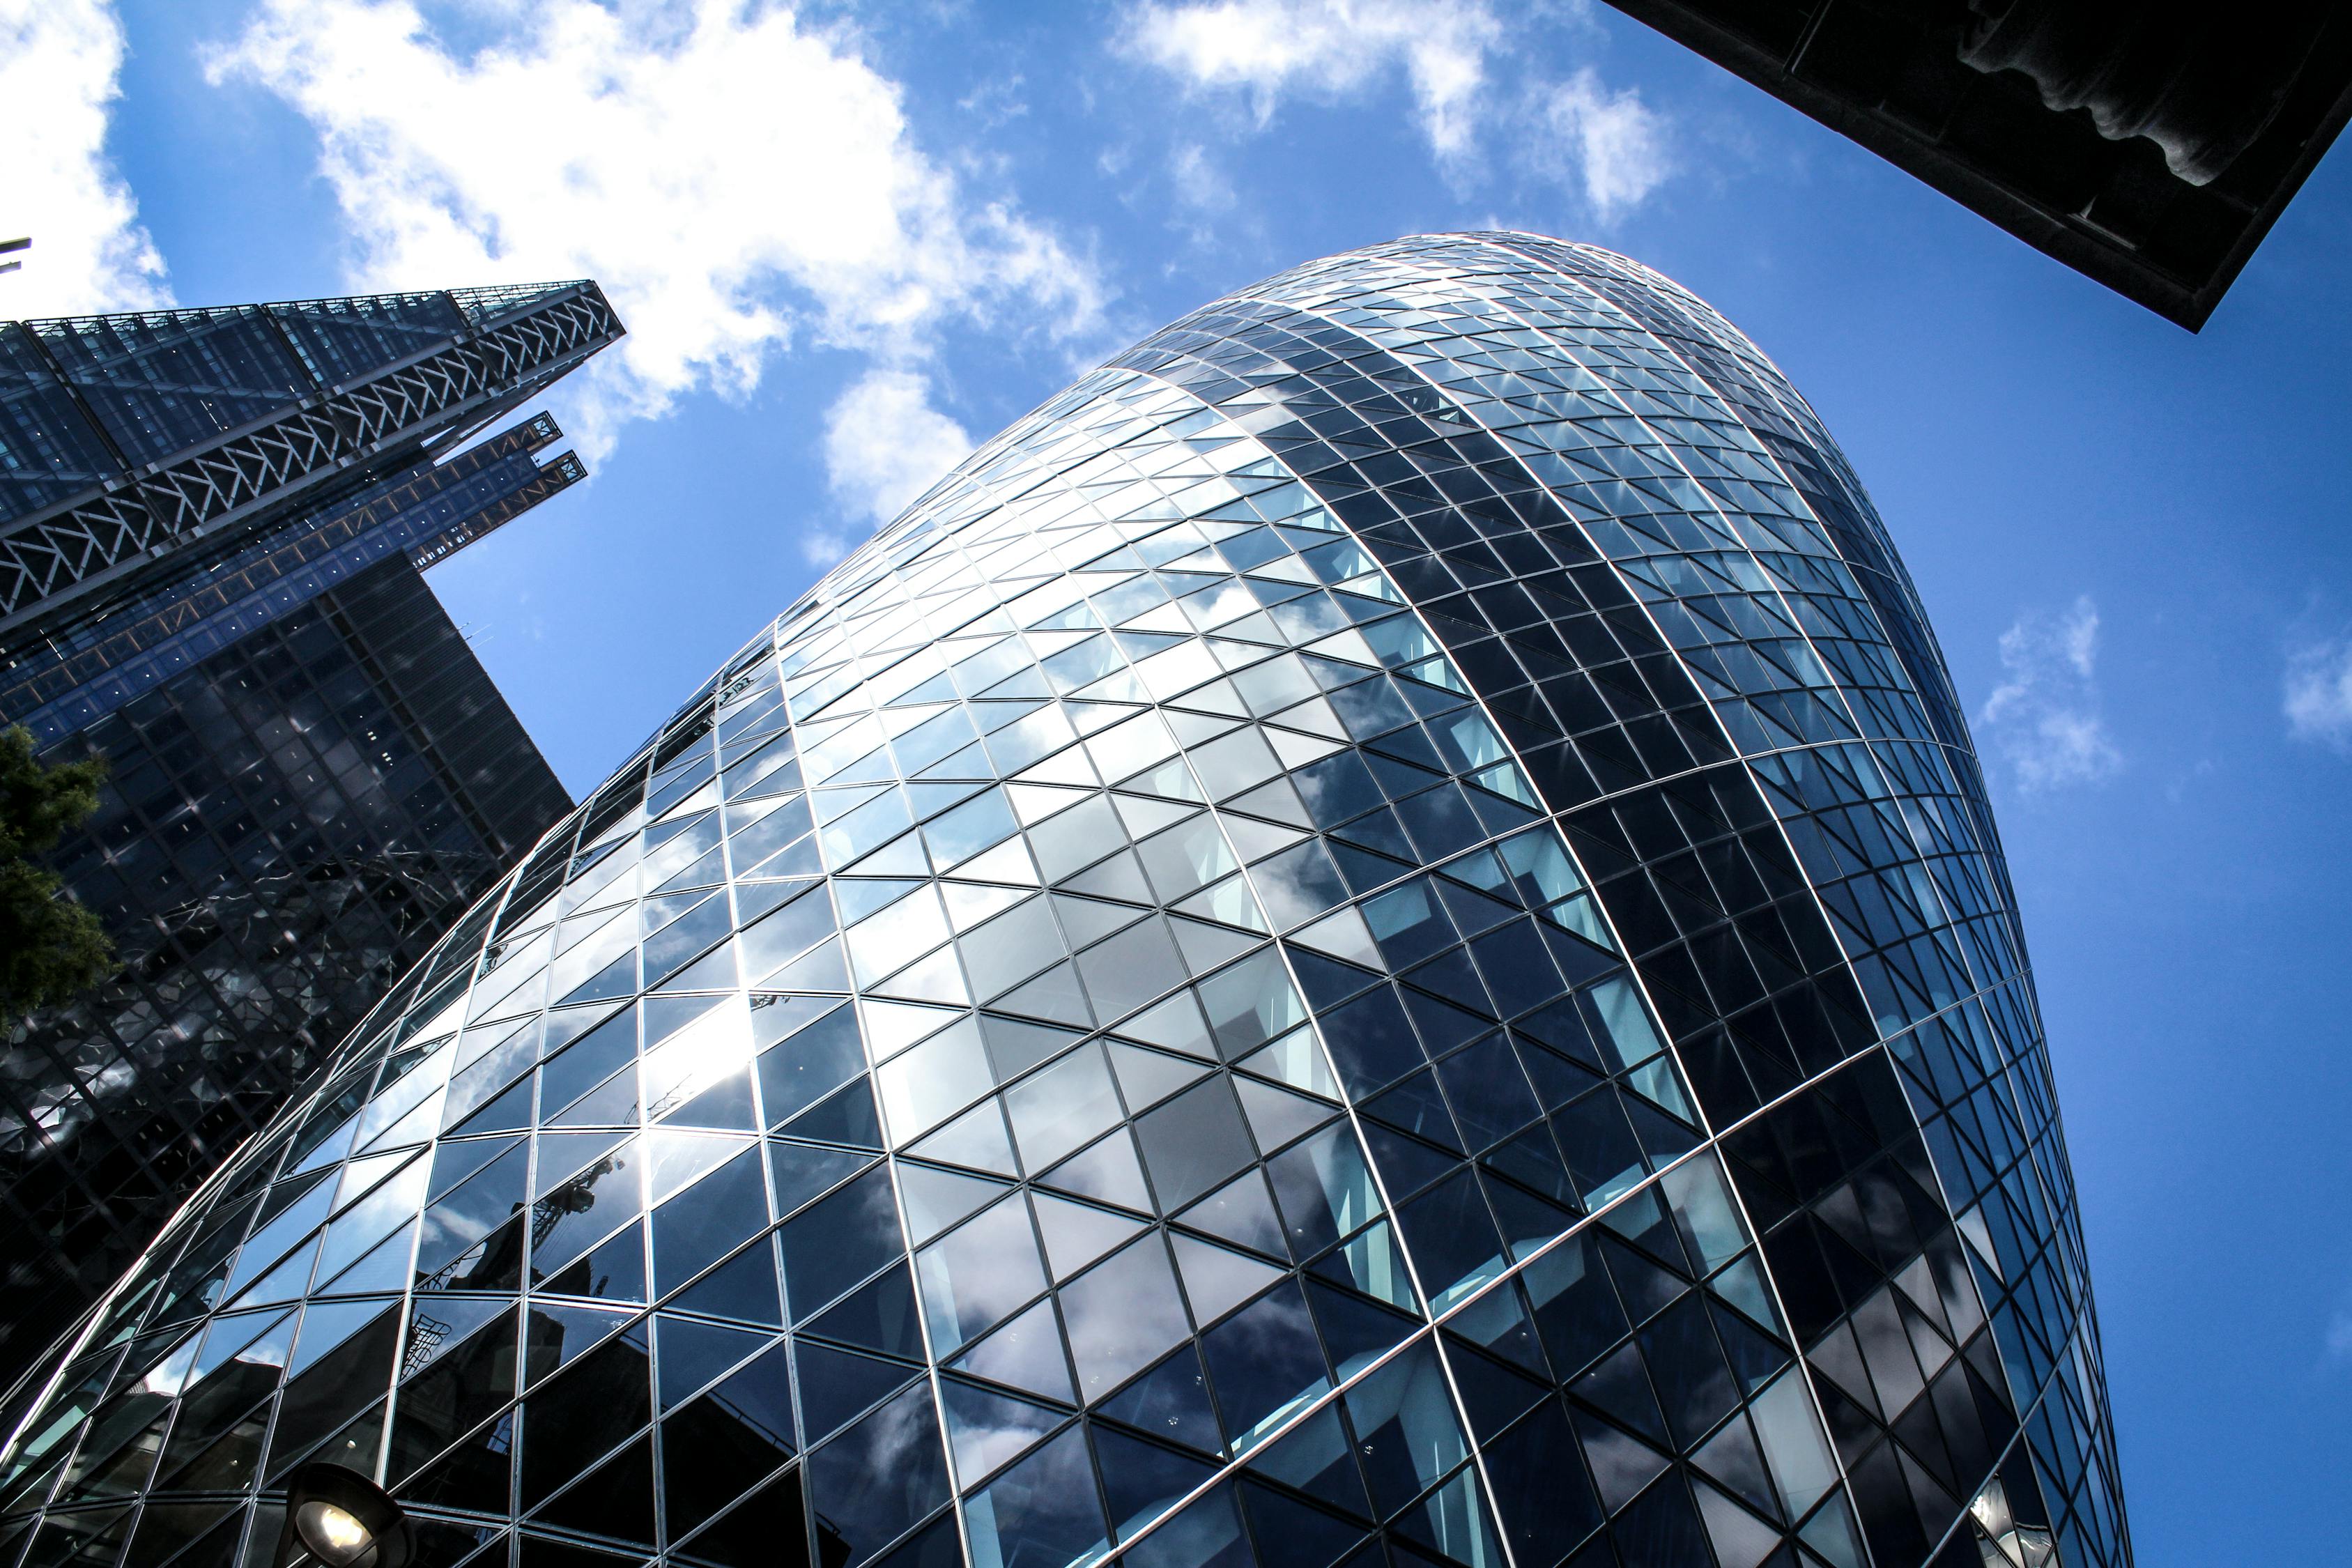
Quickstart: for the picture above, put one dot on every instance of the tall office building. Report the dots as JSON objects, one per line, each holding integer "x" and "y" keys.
{"x": 211, "y": 527}
{"x": 1374, "y": 933}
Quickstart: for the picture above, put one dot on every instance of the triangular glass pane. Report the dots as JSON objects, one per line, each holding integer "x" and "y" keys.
{"x": 1147, "y": 1078}
{"x": 1086, "y": 920}
{"x": 1242, "y": 1212}
{"x": 690, "y": 1354}
{"x": 1109, "y": 1172}
{"x": 935, "y": 1200}
{"x": 837, "y": 1385}
{"x": 1009, "y": 862}
{"x": 1077, "y": 1234}
{"x": 879, "y": 1315}
{"x": 1054, "y": 996}
{"x": 820, "y": 970}
{"x": 976, "y": 1139}
{"x": 1117, "y": 878}
{"x": 1216, "y": 1280}
{"x": 1276, "y": 1116}
{"x": 1174, "y": 1024}
{"x": 1025, "y": 1353}
{"x": 987, "y": 1431}
{"x": 1170, "y": 1401}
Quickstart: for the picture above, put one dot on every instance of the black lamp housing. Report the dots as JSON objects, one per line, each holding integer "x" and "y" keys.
{"x": 316, "y": 1494}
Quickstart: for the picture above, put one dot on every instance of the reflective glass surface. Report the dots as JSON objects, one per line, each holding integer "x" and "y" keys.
{"x": 291, "y": 820}
{"x": 85, "y": 399}
{"x": 312, "y": 777}
{"x": 1373, "y": 936}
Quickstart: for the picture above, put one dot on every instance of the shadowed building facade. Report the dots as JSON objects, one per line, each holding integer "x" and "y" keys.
{"x": 1373, "y": 938}
{"x": 2148, "y": 145}
{"x": 211, "y": 524}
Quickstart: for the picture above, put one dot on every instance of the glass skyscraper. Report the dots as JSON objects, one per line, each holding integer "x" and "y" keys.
{"x": 211, "y": 524}
{"x": 1372, "y": 939}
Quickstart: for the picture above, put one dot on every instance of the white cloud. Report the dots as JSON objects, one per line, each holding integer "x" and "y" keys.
{"x": 1619, "y": 142}
{"x": 1199, "y": 184}
{"x": 737, "y": 180}
{"x": 1330, "y": 50}
{"x": 884, "y": 445}
{"x": 1474, "y": 81}
{"x": 60, "y": 62}
{"x": 2335, "y": 1339}
{"x": 2319, "y": 697}
{"x": 2045, "y": 716}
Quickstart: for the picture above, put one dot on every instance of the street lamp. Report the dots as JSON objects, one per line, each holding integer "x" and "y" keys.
{"x": 8, "y": 244}
{"x": 342, "y": 1519}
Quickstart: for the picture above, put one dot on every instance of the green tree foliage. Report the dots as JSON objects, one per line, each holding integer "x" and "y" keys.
{"x": 50, "y": 946}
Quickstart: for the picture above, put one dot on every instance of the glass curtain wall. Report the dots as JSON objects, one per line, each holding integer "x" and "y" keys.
{"x": 1372, "y": 937}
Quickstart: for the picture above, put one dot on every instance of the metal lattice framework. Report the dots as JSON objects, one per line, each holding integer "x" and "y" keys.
{"x": 1370, "y": 939}
{"x": 27, "y": 687}
{"x": 559, "y": 472}
{"x": 73, "y": 547}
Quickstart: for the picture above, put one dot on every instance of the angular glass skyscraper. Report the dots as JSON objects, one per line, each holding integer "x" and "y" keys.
{"x": 1372, "y": 939}
{"x": 212, "y": 527}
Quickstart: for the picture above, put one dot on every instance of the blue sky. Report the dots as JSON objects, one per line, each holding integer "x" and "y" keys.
{"x": 851, "y": 242}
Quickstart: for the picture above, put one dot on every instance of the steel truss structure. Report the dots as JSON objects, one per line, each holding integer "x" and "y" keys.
{"x": 59, "y": 555}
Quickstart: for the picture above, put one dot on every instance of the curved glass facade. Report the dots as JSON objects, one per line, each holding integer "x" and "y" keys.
{"x": 1374, "y": 933}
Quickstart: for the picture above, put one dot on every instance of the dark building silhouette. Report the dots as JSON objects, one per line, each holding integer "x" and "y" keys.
{"x": 1372, "y": 938}
{"x": 211, "y": 524}
{"x": 2150, "y": 146}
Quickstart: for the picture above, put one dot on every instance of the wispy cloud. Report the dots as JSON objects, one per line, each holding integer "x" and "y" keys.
{"x": 1618, "y": 144}
{"x": 1199, "y": 184}
{"x": 738, "y": 181}
{"x": 60, "y": 61}
{"x": 2043, "y": 718}
{"x": 884, "y": 445}
{"x": 1476, "y": 89}
{"x": 1329, "y": 50}
{"x": 2318, "y": 700}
